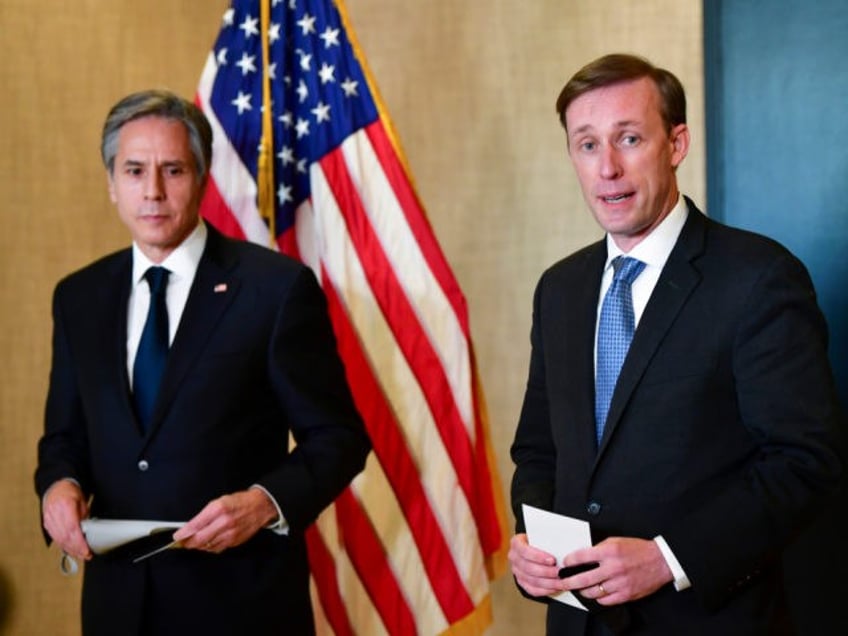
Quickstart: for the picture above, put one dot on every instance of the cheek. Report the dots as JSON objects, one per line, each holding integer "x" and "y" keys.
{"x": 583, "y": 170}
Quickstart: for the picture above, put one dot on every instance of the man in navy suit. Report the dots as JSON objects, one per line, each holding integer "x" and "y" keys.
{"x": 251, "y": 359}
{"x": 722, "y": 436}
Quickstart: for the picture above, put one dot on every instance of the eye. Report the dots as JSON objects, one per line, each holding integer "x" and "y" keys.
{"x": 587, "y": 145}
{"x": 174, "y": 171}
{"x": 133, "y": 171}
{"x": 630, "y": 140}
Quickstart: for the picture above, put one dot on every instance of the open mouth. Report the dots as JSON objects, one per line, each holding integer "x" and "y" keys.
{"x": 616, "y": 198}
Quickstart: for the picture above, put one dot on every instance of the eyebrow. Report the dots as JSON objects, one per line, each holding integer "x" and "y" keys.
{"x": 168, "y": 163}
{"x": 625, "y": 123}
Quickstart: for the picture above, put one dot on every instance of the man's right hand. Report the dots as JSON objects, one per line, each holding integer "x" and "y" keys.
{"x": 536, "y": 571}
{"x": 63, "y": 507}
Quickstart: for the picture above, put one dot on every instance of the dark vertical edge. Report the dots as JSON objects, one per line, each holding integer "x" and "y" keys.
{"x": 713, "y": 12}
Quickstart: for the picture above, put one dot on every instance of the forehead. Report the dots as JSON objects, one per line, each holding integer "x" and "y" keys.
{"x": 625, "y": 103}
{"x": 159, "y": 136}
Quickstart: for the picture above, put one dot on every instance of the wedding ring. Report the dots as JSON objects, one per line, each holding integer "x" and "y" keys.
{"x": 601, "y": 588}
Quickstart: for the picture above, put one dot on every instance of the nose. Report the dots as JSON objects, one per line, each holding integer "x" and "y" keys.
{"x": 153, "y": 189}
{"x": 610, "y": 165}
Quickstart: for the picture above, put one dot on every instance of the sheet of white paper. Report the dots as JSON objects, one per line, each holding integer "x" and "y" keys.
{"x": 558, "y": 535}
{"x": 106, "y": 534}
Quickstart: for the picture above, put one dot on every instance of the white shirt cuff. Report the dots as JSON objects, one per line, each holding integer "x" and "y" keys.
{"x": 280, "y": 526}
{"x": 681, "y": 581}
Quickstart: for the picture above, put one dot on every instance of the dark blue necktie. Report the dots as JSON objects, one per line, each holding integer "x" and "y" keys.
{"x": 152, "y": 348}
{"x": 615, "y": 331}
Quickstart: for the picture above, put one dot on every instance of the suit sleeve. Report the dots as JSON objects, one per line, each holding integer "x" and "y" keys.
{"x": 533, "y": 450}
{"x": 63, "y": 448}
{"x": 308, "y": 377}
{"x": 786, "y": 401}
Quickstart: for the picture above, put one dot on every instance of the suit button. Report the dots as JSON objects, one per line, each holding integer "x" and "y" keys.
{"x": 143, "y": 465}
{"x": 594, "y": 508}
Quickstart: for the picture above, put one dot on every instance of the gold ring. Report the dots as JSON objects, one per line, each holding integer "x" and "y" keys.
{"x": 601, "y": 588}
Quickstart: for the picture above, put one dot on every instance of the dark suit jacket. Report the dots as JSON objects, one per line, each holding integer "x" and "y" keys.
{"x": 722, "y": 436}
{"x": 253, "y": 360}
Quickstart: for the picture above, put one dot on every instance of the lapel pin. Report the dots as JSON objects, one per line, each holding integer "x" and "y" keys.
{"x": 220, "y": 288}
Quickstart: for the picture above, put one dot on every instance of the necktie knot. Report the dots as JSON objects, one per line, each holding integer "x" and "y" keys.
{"x": 157, "y": 279}
{"x": 626, "y": 269}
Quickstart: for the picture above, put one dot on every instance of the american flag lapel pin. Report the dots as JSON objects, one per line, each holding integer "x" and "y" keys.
{"x": 220, "y": 288}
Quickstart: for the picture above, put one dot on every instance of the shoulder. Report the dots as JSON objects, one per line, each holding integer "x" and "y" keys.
{"x": 255, "y": 261}
{"x": 704, "y": 236}
{"x": 96, "y": 273}
{"x": 273, "y": 276}
{"x": 739, "y": 251}
{"x": 737, "y": 266}
{"x": 586, "y": 264}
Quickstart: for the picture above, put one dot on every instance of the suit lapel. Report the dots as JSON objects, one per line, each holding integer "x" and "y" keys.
{"x": 569, "y": 315}
{"x": 212, "y": 292}
{"x": 678, "y": 280}
{"x": 114, "y": 297}
{"x": 584, "y": 351}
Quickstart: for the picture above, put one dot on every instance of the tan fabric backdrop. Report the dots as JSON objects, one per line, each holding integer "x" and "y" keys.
{"x": 470, "y": 87}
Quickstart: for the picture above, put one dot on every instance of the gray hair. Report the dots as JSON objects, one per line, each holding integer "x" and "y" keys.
{"x": 159, "y": 103}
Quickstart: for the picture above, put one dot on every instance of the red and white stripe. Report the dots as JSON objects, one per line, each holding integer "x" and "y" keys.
{"x": 404, "y": 549}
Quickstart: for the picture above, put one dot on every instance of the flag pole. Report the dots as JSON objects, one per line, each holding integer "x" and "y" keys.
{"x": 265, "y": 163}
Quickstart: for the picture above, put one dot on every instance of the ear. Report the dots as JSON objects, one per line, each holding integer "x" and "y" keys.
{"x": 110, "y": 183}
{"x": 679, "y": 139}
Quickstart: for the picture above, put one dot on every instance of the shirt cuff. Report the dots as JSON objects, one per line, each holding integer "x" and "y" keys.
{"x": 280, "y": 526}
{"x": 681, "y": 581}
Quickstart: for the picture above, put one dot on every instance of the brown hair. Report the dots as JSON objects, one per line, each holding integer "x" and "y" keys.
{"x": 620, "y": 67}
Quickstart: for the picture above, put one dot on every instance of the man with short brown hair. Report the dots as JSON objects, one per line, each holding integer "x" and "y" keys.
{"x": 679, "y": 395}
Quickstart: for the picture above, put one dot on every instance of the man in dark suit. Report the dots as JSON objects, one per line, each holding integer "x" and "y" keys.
{"x": 251, "y": 359}
{"x": 721, "y": 434}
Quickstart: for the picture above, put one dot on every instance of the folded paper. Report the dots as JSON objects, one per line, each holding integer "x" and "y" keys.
{"x": 104, "y": 535}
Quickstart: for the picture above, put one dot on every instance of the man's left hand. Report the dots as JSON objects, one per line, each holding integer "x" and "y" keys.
{"x": 629, "y": 569}
{"x": 227, "y": 521}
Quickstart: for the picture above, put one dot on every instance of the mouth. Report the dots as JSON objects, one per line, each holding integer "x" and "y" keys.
{"x": 616, "y": 198}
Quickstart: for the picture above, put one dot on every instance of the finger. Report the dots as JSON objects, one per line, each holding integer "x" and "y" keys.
{"x": 536, "y": 587}
{"x": 79, "y": 545}
{"x": 66, "y": 533}
{"x": 604, "y": 593}
{"x": 197, "y": 530}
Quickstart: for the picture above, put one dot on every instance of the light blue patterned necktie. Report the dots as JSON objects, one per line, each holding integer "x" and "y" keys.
{"x": 615, "y": 331}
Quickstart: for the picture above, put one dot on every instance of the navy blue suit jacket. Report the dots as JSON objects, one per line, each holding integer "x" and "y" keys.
{"x": 253, "y": 360}
{"x": 722, "y": 435}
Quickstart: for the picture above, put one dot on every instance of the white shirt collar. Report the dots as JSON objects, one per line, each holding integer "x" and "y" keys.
{"x": 182, "y": 262}
{"x": 655, "y": 248}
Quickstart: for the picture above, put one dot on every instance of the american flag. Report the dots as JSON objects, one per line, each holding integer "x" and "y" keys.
{"x": 305, "y": 161}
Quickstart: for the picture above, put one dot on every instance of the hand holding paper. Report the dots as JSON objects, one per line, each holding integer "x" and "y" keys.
{"x": 558, "y": 535}
{"x": 105, "y": 535}
{"x": 63, "y": 505}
